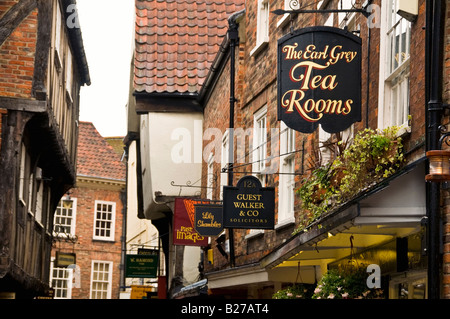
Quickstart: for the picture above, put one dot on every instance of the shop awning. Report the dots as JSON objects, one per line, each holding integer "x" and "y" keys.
{"x": 392, "y": 209}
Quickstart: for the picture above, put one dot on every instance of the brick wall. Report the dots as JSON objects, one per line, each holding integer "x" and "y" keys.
{"x": 17, "y": 56}
{"x": 88, "y": 249}
{"x": 257, "y": 86}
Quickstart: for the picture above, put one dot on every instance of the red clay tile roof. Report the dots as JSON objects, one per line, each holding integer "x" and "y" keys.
{"x": 96, "y": 157}
{"x": 176, "y": 42}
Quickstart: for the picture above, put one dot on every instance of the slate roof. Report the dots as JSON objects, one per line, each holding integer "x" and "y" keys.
{"x": 96, "y": 157}
{"x": 176, "y": 42}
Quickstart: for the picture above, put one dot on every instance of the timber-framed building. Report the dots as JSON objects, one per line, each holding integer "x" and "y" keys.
{"x": 43, "y": 66}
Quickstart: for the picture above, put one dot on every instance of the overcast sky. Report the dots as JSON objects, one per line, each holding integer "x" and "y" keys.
{"x": 107, "y": 27}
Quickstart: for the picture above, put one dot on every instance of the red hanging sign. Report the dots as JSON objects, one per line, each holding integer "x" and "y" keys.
{"x": 184, "y": 233}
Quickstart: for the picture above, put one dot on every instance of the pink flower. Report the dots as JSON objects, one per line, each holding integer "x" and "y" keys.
{"x": 345, "y": 295}
{"x": 331, "y": 296}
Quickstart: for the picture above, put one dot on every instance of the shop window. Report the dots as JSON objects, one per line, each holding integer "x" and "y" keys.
{"x": 262, "y": 26}
{"x": 101, "y": 279}
{"x": 394, "y": 68}
{"x": 410, "y": 285}
{"x": 104, "y": 222}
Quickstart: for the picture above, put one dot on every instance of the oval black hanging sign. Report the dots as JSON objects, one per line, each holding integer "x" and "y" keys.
{"x": 319, "y": 79}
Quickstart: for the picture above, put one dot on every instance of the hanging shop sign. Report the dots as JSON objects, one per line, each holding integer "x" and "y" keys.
{"x": 184, "y": 233}
{"x": 142, "y": 265}
{"x": 319, "y": 79}
{"x": 208, "y": 219}
{"x": 64, "y": 260}
{"x": 248, "y": 205}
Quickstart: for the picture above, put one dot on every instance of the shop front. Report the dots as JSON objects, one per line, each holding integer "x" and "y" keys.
{"x": 382, "y": 228}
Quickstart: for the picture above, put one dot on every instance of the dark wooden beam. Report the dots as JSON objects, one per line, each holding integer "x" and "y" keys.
{"x": 19, "y": 104}
{"x": 42, "y": 48}
{"x": 15, "y": 15}
{"x": 178, "y": 103}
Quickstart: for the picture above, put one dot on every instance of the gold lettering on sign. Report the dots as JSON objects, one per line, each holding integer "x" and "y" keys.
{"x": 211, "y": 223}
{"x": 188, "y": 233}
{"x": 249, "y": 205}
{"x": 294, "y": 100}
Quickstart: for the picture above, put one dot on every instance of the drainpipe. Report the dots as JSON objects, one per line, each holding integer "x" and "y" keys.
{"x": 435, "y": 108}
{"x": 233, "y": 35}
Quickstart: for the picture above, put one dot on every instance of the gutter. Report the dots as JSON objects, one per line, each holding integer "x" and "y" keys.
{"x": 434, "y": 107}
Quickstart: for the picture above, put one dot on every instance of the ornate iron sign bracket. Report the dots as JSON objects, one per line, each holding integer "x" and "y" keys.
{"x": 293, "y": 4}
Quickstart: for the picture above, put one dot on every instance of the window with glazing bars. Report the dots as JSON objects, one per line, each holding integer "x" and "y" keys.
{"x": 104, "y": 220}
{"x": 101, "y": 280}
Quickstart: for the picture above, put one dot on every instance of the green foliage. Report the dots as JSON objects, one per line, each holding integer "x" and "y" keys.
{"x": 347, "y": 283}
{"x": 296, "y": 291}
{"x": 371, "y": 157}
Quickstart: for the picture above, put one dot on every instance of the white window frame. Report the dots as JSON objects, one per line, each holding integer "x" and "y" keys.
{"x": 68, "y": 280}
{"x": 262, "y": 26}
{"x": 225, "y": 151}
{"x": 58, "y": 35}
{"x": 259, "y": 152}
{"x": 210, "y": 177}
{"x": 285, "y": 18}
{"x": 393, "y": 78}
{"x": 22, "y": 171}
{"x": 112, "y": 221}
{"x": 102, "y": 280}
{"x": 69, "y": 75}
{"x": 325, "y": 153}
{"x": 73, "y": 217}
{"x": 39, "y": 213}
{"x": 286, "y": 186}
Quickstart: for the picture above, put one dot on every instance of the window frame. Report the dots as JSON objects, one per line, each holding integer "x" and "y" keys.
{"x": 393, "y": 108}
{"x": 108, "y": 282}
{"x": 68, "y": 272}
{"x": 262, "y": 26}
{"x": 286, "y": 185}
{"x": 111, "y": 237}
{"x": 259, "y": 146}
{"x": 73, "y": 217}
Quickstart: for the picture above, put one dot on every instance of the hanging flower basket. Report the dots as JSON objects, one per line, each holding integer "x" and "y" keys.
{"x": 295, "y": 291}
{"x": 349, "y": 283}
